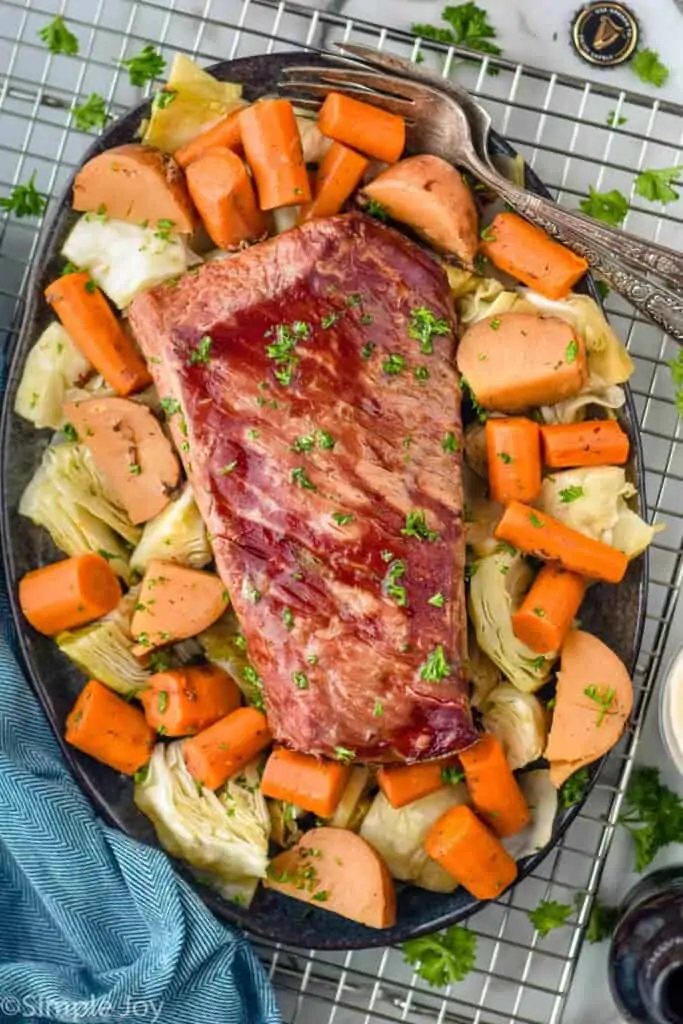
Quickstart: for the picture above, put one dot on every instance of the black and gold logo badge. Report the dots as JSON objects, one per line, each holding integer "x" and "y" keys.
{"x": 605, "y": 33}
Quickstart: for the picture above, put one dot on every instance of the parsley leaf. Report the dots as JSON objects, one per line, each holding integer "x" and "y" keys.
{"x": 469, "y": 26}
{"x": 602, "y": 289}
{"x": 342, "y": 518}
{"x": 303, "y": 444}
{"x": 604, "y": 697}
{"x": 574, "y": 789}
{"x": 201, "y": 355}
{"x": 452, "y": 775}
{"x": 609, "y": 207}
{"x": 25, "y": 200}
{"x": 443, "y": 957}
{"x": 164, "y": 98}
{"x": 70, "y": 432}
{"x": 58, "y": 38}
{"x": 615, "y": 122}
{"x": 393, "y": 364}
{"x": 450, "y": 442}
{"x": 437, "y": 600}
{"x": 344, "y": 754}
{"x": 601, "y": 922}
{"x": 299, "y": 476}
{"x": 91, "y": 114}
{"x": 395, "y": 572}
{"x": 655, "y": 185}
{"x": 300, "y": 680}
{"x": 424, "y": 326}
{"x": 569, "y": 494}
{"x": 170, "y": 406}
{"x": 549, "y": 915}
{"x": 435, "y": 667}
{"x": 416, "y": 526}
{"x": 649, "y": 68}
{"x": 653, "y": 815}
{"x": 375, "y": 209}
{"x": 144, "y": 66}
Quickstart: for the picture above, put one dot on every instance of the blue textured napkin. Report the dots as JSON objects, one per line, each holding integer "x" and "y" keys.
{"x": 95, "y": 927}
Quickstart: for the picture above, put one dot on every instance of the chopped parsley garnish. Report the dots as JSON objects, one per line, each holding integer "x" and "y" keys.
{"x": 452, "y": 775}
{"x": 90, "y": 286}
{"x": 375, "y": 209}
{"x": 572, "y": 351}
{"x": 201, "y": 355}
{"x": 505, "y": 457}
{"x": 424, "y": 326}
{"x": 487, "y": 235}
{"x": 391, "y": 587}
{"x": 58, "y": 38}
{"x": 574, "y": 789}
{"x": 535, "y": 521}
{"x": 450, "y": 442}
{"x": 539, "y": 612}
{"x": 224, "y": 470}
{"x": 164, "y": 98}
{"x": 300, "y": 680}
{"x": 378, "y": 709}
{"x": 421, "y": 373}
{"x": 325, "y": 440}
{"x": 609, "y": 207}
{"x": 251, "y": 593}
{"x": 435, "y": 667}
{"x": 288, "y": 618}
{"x": 255, "y": 684}
{"x": 281, "y": 351}
{"x": 569, "y": 494}
{"x": 416, "y": 526}
{"x": 367, "y": 350}
{"x": 162, "y": 701}
{"x": 321, "y": 895}
{"x": 329, "y": 320}
{"x": 437, "y": 600}
{"x": 312, "y": 659}
{"x": 393, "y": 364}
{"x": 144, "y": 66}
{"x": 170, "y": 406}
{"x": 494, "y": 324}
{"x": 70, "y": 432}
{"x": 344, "y": 754}
{"x": 367, "y": 318}
{"x": 387, "y": 556}
{"x": 604, "y": 697}
{"x": 25, "y": 200}
{"x": 299, "y": 477}
{"x": 252, "y": 434}
{"x": 467, "y": 391}
{"x": 354, "y": 299}
{"x": 615, "y": 122}
{"x": 649, "y": 68}
{"x": 91, "y": 114}
{"x": 342, "y": 518}
{"x": 303, "y": 444}
{"x": 135, "y": 469}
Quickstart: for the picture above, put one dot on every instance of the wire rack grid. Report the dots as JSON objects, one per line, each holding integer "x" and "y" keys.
{"x": 560, "y": 126}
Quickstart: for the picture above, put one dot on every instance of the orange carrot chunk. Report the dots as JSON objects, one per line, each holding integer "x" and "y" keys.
{"x": 538, "y": 534}
{"x": 338, "y": 175}
{"x": 109, "y": 729}
{"x": 371, "y": 131}
{"x": 304, "y": 780}
{"x": 465, "y": 848}
{"x": 69, "y": 593}
{"x": 225, "y": 133}
{"x": 224, "y": 195}
{"x": 184, "y": 701}
{"x": 549, "y": 608}
{"x": 89, "y": 319}
{"x": 219, "y": 752}
{"x": 493, "y": 787}
{"x": 513, "y": 449}
{"x": 591, "y": 443}
{"x": 401, "y": 784}
{"x": 526, "y": 252}
{"x": 272, "y": 145}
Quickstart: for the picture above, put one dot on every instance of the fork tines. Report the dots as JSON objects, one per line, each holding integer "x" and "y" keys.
{"x": 308, "y": 86}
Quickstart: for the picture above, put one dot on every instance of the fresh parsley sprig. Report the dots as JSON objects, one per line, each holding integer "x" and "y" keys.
{"x": 25, "y": 200}
{"x": 58, "y": 38}
{"x": 144, "y": 66}
{"x": 443, "y": 957}
{"x": 90, "y": 114}
{"x": 653, "y": 815}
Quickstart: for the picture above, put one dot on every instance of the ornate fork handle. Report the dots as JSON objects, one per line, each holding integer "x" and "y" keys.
{"x": 654, "y": 300}
{"x": 638, "y": 252}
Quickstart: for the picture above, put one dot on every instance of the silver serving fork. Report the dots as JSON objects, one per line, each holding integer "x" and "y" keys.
{"x": 437, "y": 124}
{"x": 637, "y": 252}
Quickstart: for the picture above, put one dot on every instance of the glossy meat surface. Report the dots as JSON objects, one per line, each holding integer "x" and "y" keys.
{"x": 312, "y": 444}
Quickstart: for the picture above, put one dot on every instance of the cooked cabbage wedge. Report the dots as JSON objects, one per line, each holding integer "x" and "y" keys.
{"x": 398, "y": 835}
{"x": 598, "y": 507}
{"x": 199, "y": 100}
{"x": 68, "y": 497}
{"x": 355, "y": 802}
{"x": 542, "y": 799}
{"x": 480, "y": 672}
{"x": 53, "y": 365}
{"x": 595, "y": 392}
{"x": 103, "y": 651}
{"x": 519, "y": 722}
{"x": 223, "y": 836}
{"x": 496, "y": 591}
{"x": 124, "y": 259}
{"x": 177, "y": 534}
{"x": 284, "y": 823}
{"x": 224, "y": 645}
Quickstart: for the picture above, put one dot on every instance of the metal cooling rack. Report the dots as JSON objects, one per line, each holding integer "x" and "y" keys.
{"x": 559, "y": 125}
